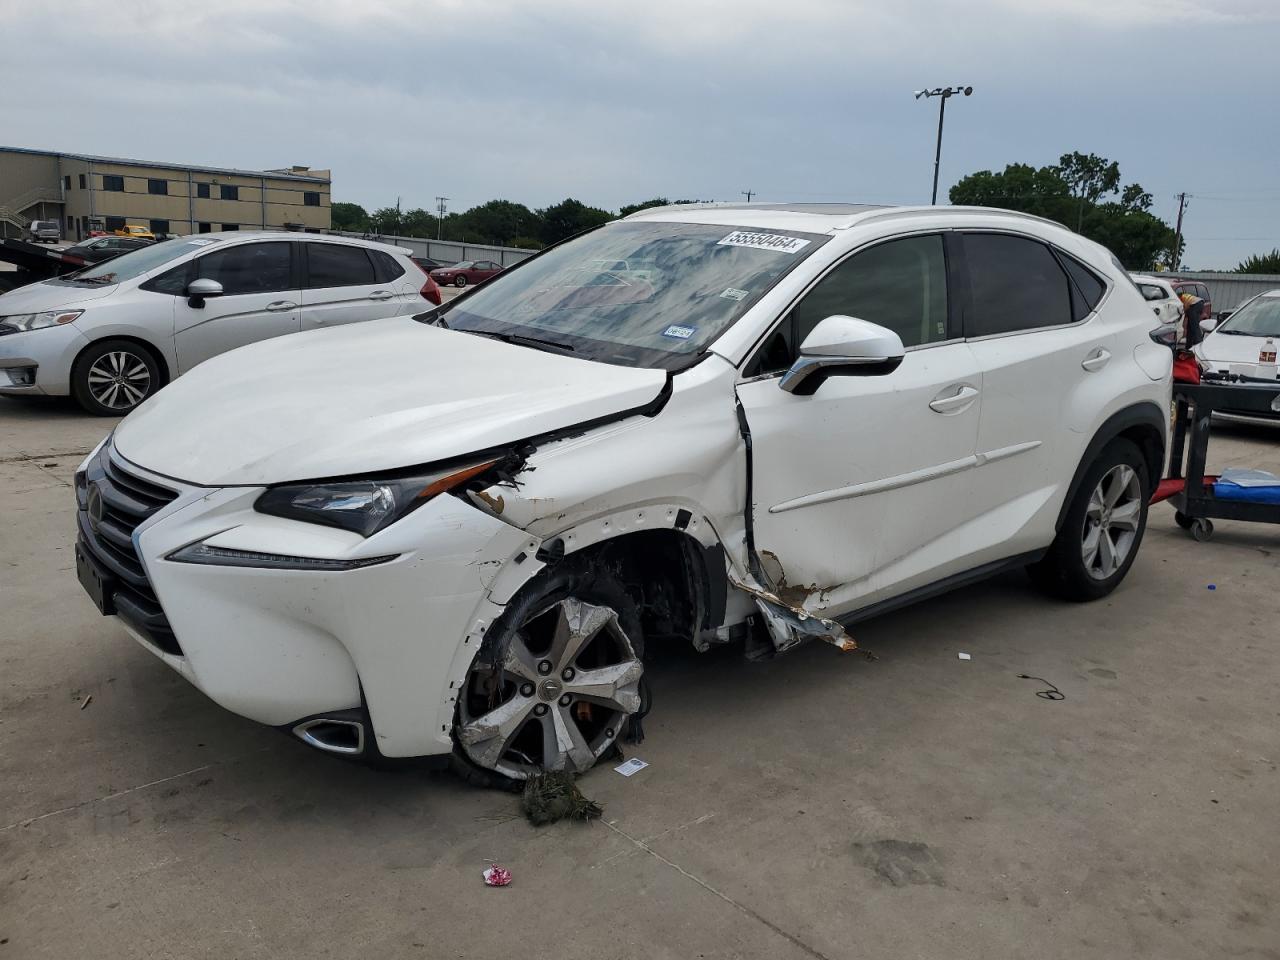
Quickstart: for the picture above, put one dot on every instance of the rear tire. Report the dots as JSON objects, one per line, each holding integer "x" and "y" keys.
{"x": 459, "y": 281}
{"x": 1102, "y": 529}
{"x": 111, "y": 377}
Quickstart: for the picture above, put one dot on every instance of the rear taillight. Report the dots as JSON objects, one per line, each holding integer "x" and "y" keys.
{"x": 429, "y": 292}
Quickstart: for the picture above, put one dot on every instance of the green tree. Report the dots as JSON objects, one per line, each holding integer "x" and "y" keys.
{"x": 497, "y": 222}
{"x": 418, "y": 223}
{"x": 631, "y": 208}
{"x": 568, "y": 217}
{"x": 349, "y": 216}
{"x": 1261, "y": 263}
{"x": 1083, "y": 192}
{"x": 387, "y": 220}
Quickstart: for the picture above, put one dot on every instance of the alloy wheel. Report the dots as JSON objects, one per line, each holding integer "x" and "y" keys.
{"x": 568, "y": 680}
{"x": 119, "y": 380}
{"x": 1111, "y": 522}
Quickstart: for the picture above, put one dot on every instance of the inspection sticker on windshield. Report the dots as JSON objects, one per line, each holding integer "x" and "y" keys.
{"x": 764, "y": 241}
{"x": 733, "y": 293}
{"x": 677, "y": 332}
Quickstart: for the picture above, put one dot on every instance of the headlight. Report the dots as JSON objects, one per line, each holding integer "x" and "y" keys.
{"x": 22, "y": 322}
{"x": 364, "y": 506}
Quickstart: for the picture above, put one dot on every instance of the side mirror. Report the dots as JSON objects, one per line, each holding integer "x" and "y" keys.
{"x": 1208, "y": 324}
{"x": 198, "y": 291}
{"x": 842, "y": 346}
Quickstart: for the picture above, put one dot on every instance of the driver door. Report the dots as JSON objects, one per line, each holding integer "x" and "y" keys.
{"x": 862, "y": 490}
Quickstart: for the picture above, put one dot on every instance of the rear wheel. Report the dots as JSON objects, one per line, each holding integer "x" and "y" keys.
{"x": 554, "y": 685}
{"x": 113, "y": 376}
{"x": 459, "y": 281}
{"x": 1102, "y": 529}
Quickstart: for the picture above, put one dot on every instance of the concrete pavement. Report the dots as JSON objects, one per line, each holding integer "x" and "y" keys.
{"x": 820, "y": 805}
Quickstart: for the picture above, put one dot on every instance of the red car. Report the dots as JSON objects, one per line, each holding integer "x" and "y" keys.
{"x": 468, "y": 271}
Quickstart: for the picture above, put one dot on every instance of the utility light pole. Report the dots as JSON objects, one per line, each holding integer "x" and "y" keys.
{"x": 944, "y": 94}
{"x": 1176, "y": 258}
{"x": 748, "y": 194}
{"x": 440, "y": 201}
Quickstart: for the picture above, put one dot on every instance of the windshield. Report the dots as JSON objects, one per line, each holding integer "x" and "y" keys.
{"x": 638, "y": 294}
{"x": 1261, "y": 318}
{"x": 138, "y": 262}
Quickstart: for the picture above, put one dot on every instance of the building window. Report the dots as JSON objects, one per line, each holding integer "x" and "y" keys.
{"x": 112, "y": 183}
{"x": 230, "y": 192}
{"x": 311, "y": 199}
{"x": 115, "y": 223}
{"x": 159, "y": 226}
{"x": 202, "y": 191}
{"x": 158, "y": 186}
{"x": 205, "y": 227}
{"x": 66, "y": 182}
{"x": 230, "y": 226}
{"x": 82, "y": 181}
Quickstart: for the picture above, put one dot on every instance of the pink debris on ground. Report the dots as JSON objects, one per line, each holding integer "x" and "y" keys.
{"x": 497, "y": 876}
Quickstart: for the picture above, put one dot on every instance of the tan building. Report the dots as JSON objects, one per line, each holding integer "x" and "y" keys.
{"x": 85, "y": 192}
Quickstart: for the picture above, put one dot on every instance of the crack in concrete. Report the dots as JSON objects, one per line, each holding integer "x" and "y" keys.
{"x": 741, "y": 907}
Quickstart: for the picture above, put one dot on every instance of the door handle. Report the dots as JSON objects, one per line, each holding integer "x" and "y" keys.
{"x": 956, "y": 402}
{"x": 381, "y": 295}
{"x": 279, "y": 305}
{"x": 1096, "y": 360}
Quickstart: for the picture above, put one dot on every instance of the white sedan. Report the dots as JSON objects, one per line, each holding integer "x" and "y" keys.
{"x": 1246, "y": 341}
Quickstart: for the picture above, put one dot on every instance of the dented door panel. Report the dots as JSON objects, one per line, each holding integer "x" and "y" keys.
{"x": 863, "y": 476}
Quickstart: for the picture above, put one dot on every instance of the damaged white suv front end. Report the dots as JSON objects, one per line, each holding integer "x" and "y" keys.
{"x": 460, "y": 533}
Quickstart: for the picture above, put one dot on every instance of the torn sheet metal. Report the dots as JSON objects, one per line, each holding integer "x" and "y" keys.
{"x": 788, "y": 624}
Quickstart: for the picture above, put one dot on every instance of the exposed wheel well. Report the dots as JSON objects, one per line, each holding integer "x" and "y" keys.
{"x": 1151, "y": 442}
{"x": 678, "y": 585}
{"x": 149, "y": 347}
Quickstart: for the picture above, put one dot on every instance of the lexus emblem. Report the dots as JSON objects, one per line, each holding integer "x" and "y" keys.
{"x": 96, "y": 508}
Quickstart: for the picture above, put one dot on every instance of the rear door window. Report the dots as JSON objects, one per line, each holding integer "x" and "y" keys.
{"x": 1016, "y": 284}
{"x": 386, "y": 267}
{"x": 337, "y": 265}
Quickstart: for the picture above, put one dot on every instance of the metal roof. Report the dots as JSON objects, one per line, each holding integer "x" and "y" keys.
{"x": 91, "y": 158}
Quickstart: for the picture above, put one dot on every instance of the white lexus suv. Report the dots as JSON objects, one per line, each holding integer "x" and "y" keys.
{"x": 459, "y": 533}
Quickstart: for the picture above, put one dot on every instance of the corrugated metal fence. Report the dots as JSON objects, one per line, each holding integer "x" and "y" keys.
{"x": 1229, "y": 290}
{"x": 447, "y": 251}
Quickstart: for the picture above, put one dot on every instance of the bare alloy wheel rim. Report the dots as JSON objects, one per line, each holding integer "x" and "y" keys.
{"x": 568, "y": 681}
{"x": 119, "y": 380}
{"x": 460, "y": 281}
{"x": 1111, "y": 522}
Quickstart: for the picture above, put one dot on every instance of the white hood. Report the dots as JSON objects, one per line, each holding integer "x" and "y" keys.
{"x": 48, "y": 295}
{"x": 1221, "y": 349}
{"x": 366, "y": 397}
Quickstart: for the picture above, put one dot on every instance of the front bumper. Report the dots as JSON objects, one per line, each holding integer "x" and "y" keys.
{"x": 280, "y": 645}
{"x": 43, "y": 356}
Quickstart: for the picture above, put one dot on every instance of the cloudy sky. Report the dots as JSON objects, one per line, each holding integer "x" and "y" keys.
{"x": 613, "y": 101}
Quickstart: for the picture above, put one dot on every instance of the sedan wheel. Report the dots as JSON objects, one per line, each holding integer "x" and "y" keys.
{"x": 568, "y": 679}
{"x": 119, "y": 380}
{"x": 460, "y": 281}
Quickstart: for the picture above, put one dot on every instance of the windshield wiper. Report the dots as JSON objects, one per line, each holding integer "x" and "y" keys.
{"x": 519, "y": 340}
{"x": 105, "y": 278}
{"x": 1235, "y": 333}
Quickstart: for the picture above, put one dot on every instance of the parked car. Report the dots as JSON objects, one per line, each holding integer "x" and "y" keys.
{"x": 97, "y": 249}
{"x": 44, "y": 231}
{"x": 468, "y": 271}
{"x": 1164, "y": 300}
{"x": 112, "y": 334}
{"x": 136, "y": 231}
{"x": 1237, "y": 341}
{"x": 456, "y": 534}
{"x": 427, "y": 264}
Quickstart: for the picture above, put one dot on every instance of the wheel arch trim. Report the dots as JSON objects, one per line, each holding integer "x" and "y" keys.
{"x": 1143, "y": 422}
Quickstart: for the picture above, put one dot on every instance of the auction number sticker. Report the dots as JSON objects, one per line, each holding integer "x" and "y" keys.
{"x": 678, "y": 332}
{"x": 764, "y": 241}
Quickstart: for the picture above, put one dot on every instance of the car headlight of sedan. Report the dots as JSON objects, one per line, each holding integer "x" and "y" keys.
{"x": 22, "y": 322}
{"x": 365, "y": 506}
